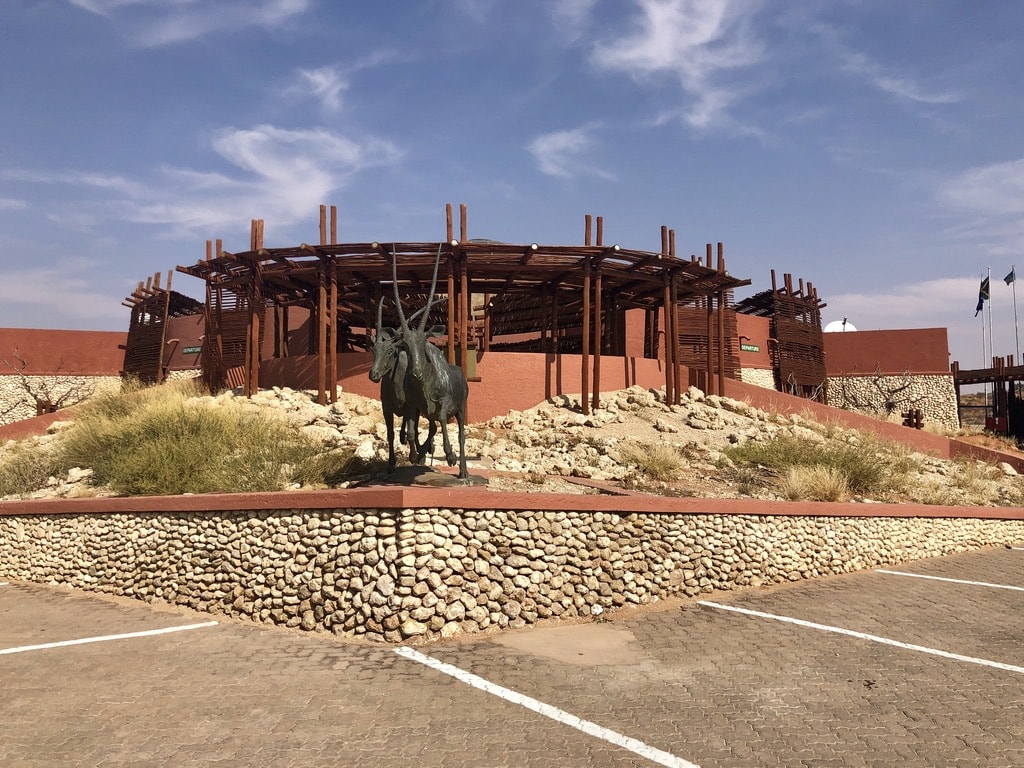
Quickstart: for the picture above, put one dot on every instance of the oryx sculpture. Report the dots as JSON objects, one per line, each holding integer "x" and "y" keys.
{"x": 434, "y": 388}
{"x": 390, "y": 365}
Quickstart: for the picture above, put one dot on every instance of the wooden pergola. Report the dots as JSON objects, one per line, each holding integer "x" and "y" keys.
{"x": 567, "y": 297}
{"x": 797, "y": 346}
{"x": 152, "y": 306}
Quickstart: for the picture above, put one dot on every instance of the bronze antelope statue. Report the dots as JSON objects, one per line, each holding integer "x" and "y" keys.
{"x": 433, "y": 387}
{"x": 390, "y": 364}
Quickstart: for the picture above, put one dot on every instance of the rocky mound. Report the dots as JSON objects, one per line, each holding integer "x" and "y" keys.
{"x": 554, "y": 447}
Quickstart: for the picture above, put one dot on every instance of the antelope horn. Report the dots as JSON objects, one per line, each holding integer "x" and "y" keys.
{"x": 380, "y": 307}
{"x": 433, "y": 287}
{"x": 398, "y": 301}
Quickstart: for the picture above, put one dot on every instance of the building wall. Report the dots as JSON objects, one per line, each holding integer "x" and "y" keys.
{"x": 56, "y": 363}
{"x": 860, "y": 353}
{"x": 888, "y": 373}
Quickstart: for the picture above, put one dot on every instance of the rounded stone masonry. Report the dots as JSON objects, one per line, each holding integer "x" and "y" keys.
{"x": 417, "y": 574}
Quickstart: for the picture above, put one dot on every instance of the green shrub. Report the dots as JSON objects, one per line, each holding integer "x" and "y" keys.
{"x": 868, "y": 465}
{"x": 163, "y": 440}
{"x": 25, "y": 468}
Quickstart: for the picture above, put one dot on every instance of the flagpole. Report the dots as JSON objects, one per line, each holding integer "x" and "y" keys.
{"x": 991, "y": 340}
{"x": 1016, "y": 332}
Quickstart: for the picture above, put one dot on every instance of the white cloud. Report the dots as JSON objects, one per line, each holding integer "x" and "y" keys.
{"x": 924, "y": 304}
{"x": 10, "y": 204}
{"x": 325, "y": 84}
{"x": 996, "y": 189}
{"x": 559, "y": 153}
{"x": 903, "y": 88}
{"x": 62, "y": 290}
{"x": 696, "y": 41}
{"x": 278, "y": 173}
{"x": 154, "y": 23}
{"x": 942, "y": 303}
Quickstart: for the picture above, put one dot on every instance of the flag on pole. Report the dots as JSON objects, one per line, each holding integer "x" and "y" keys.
{"x": 1010, "y": 277}
{"x": 982, "y": 296}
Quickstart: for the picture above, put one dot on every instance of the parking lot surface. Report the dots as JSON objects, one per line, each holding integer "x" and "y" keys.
{"x": 919, "y": 665}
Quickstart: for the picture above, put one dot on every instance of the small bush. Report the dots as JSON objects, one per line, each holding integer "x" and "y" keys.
{"x": 657, "y": 461}
{"x": 25, "y": 468}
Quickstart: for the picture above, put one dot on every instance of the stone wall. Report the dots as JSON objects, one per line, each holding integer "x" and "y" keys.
{"x": 878, "y": 395}
{"x": 759, "y": 377}
{"x": 392, "y": 575}
{"x": 17, "y": 404}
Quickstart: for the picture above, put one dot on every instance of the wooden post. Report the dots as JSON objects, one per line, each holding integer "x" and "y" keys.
{"x": 598, "y": 334}
{"x": 677, "y": 374}
{"x": 451, "y": 306}
{"x": 585, "y": 361}
{"x": 321, "y": 323}
{"x": 586, "y": 229}
{"x": 710, "y": 330}
{"x": 721, "y": 324}
{"x": 464, "y": 300}
{"x": 163, "y": 331}
{"x": 554, "y": 319}
{"x": 670, "y": 396}
{"x": 332, "y": 354}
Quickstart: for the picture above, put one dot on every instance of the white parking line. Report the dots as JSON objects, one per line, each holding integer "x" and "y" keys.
{"x": 864, "y": 636}
{"x": 556, "y": 714}
{"x": 953, "y": 581}
{"x": 103, "y": 638}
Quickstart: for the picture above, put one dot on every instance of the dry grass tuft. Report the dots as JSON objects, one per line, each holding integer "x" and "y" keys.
{"x": 657, "y": 461}
{"x": 815, "y": 483}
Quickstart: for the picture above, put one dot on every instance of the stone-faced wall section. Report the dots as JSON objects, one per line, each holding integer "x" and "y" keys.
{"x": 17, "y": 404}
{"x": 880, "y": 394}
{"x": 395, "y": 575}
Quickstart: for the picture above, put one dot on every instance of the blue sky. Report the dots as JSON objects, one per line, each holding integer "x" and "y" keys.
{"x": 873, "y": 148}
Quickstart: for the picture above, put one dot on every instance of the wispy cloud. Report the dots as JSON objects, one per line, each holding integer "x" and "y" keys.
{"x": 695, "y": 41}
{"x": 996, "y": 189}
{"x": 10, "y": 204}
{"x": 561, "y": 153}
{"x": 927, "y": 302}
{"x": 325, "y": 84}
{"x": 902, "y": 87}
{"x": 63, "y": 290}
{"x": 279, "y": 173}
{"x": 154, "y": 23}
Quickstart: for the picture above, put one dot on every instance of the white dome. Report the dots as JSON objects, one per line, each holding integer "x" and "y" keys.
{"x": 838, "y": 326}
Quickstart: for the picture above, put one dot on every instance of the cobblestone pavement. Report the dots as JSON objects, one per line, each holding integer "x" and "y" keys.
{"x": 687, "y": 683}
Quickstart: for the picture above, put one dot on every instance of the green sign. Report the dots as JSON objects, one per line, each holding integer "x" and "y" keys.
{"x": 191, "y": 350}
{"x": 750, "y": 348}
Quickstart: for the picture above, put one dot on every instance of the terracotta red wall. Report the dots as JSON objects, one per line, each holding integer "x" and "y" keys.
{"x": 756, "y": 330}
{"x": 916, "y": 350}
{"x": 508, "y": 380}
{"x": 184, "y": 333}
{"x": 85, "y": 353}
